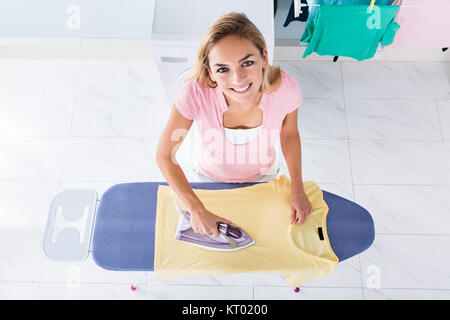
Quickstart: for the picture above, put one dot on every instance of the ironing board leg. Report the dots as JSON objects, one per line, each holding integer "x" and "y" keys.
{"x": 136, "y": 282}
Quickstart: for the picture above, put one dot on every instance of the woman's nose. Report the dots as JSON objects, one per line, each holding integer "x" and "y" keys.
{"x": 238, "y": 77}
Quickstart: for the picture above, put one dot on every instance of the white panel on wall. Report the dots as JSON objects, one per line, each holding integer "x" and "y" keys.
{"x": 99, "y": 19}
{"x": 196, "y": 15}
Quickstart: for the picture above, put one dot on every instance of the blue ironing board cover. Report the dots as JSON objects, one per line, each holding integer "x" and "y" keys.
{"x": 124, "y": 231}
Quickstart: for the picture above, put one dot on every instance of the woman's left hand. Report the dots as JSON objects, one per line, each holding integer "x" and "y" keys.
{"x": 300, "y": 207}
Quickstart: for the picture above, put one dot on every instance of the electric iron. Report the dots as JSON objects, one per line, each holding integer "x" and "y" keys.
{"x": 231, "y": 237}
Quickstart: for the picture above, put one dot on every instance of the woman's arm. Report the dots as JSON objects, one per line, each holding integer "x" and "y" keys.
{"x": 292, "y": 150}
{"x": 291, "y": 146}
{"x": 171, "y": 139}
{"x": 203, "y": 221}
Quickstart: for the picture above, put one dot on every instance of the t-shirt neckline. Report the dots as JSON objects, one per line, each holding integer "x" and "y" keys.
{"x": 224, "y": 107}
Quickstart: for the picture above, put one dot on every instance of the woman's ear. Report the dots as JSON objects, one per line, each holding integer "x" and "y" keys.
{"x": 266, "y": 59}
{"x": 211, "y": 75}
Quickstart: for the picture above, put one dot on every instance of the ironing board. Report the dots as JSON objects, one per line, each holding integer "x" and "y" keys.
{"x": 119, "y": 229}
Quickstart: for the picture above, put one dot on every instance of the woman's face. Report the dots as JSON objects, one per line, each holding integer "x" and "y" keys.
{"x": 235, "y": 64}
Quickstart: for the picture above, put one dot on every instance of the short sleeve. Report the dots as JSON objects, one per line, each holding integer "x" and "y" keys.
{"x": 389, "y": 34}
{"x": 185, "y": 101}
{"x": 293, "y": 96}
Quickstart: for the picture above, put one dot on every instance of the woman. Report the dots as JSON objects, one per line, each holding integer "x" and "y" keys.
{"x": 234, "y": 94}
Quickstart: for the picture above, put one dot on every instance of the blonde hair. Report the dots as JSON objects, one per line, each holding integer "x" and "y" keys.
{"x": 236, "y": 24}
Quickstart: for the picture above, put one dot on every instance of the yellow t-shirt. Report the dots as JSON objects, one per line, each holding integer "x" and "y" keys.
{"x": 301, "y": 252}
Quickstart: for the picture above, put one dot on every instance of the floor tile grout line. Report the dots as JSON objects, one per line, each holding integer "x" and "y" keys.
{"x": 157, "y": 137}
{"x": 205, "y": 285}
{"x": 350, "y": 164}
{"x": 78, "y": 137}
{"x": 348, "y": 147}
{"x": 60, "y": 96}
{"x": 414, "y": 234}
{"x": 396, "y": 184}
{"x": 390, "y": 288}
{"x": 439, "y": 119}
{"x": 362, "y": 278}
{"x": 162, "y": 97}
{"x": 220, "y": 286}
{"x": 380, "y": 99}
{"x": 350, "y": 159}
{"x": 76, "y": 98}
{"x": 142, "y": 284}
{"x": 67, "y": 138}
{"x": 135, "y": 180}
{"x": 179, "y": 285}
{"x": 347, "y": 133}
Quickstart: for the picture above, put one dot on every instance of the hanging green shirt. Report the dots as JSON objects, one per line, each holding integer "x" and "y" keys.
{"x": 351, "y": 31}
{"x": 314, "y": 5}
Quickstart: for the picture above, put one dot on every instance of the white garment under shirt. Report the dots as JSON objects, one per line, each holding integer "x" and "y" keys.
{"x": 242, "y": 136}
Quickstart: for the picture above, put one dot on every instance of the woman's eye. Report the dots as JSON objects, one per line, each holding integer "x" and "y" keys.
{"x": 245, "y": 64}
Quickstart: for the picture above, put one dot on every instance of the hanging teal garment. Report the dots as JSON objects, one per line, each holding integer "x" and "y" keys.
{"x": 313, "y": 7}
{"x": 313, "y": 4}
{"x": 351, "y": 31}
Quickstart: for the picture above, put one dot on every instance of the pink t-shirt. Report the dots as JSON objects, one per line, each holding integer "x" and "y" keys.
{"x": 221, "y": 159}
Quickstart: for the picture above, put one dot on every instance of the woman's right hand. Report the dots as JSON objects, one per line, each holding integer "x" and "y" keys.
{"x": 205, "y": 222}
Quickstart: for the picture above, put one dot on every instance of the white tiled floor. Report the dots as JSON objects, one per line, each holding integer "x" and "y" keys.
{"x": 374, "y": 132}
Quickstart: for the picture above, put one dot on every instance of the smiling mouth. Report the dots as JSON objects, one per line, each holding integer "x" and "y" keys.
{"x": 243, "y": 91}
